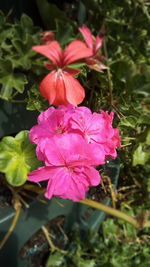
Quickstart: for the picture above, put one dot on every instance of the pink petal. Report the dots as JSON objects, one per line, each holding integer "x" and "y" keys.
{"x": 92, "y": 175}
{"x": 60, "y": 148}
{"x": 97, "y": 154}
{"x": 52, "y": 51}
{"x": 87, "y": 35}
{"x": 116, "y": 138}
{"x": 39, "y": 175}
{"x": 74, "y": 91}
{"x": 37, "y": 132}
{"x": 75, "y": 51}
{"x": 58, "y": 183}
{"x": 67, "y": 184}
{"x": 46, "y": 115}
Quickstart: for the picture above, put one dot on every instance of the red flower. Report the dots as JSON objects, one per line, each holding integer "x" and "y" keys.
{"x": 59, "y": 86}
{"x": 94, "y": 62}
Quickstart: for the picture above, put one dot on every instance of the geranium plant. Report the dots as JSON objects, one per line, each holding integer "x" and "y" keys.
{"x": 88, "y": 82}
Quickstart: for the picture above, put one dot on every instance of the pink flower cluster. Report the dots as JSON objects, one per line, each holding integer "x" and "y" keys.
{"x": 72, "y": 141}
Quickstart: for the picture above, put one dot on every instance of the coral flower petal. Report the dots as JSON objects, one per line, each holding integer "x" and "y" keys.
{"x": 75, "y": 51}
{"x": 98, "y": 42}
{"x": 62, "y": 89}
{"x": 74, "y": 91}
{"x": 47, "y": 86}
{"x": 53, "y": 88}
{"x": 52, "y": 51}
{"x": 87, "y": 35}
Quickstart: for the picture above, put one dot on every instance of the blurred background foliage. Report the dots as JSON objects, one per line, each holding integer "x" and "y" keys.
{"x": 126, "y": 25}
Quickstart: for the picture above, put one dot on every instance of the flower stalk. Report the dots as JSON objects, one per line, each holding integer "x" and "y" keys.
{"x": 115, "y": 213}
{"x": 110, "y": 84}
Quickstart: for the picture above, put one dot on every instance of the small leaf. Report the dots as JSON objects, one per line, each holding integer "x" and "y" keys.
{"x": 26, "y": 22}
{"x": 129, "y": 121}
{"x": 140, "y": 156}
{"x": 55, "y": 260}
{"x": 10, "y": 80}
{"x": 17, "y": 158}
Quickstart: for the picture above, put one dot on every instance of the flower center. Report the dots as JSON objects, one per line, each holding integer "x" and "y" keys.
{"x": 59, "y": 72}
{"x": 70, "y": 169}
{"x": 59, "y": 130}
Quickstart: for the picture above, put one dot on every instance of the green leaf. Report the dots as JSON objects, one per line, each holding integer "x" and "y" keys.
{"x": 35, "y": 100}
{"x": 10, "y": 80}
{"x": 64, "y": 32}
{"x": 129, "y": 121}
{"x": 140, "y": 156}
{"x": 85, "y": 263}
{"x": 55, "y": 260}
{"x": 26, "y": 22}
{"x": 17, "y": 158}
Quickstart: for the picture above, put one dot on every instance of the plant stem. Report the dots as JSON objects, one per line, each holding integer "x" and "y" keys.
{"x": 12, "y": 227}
{"x": 111, "y": 211}
{"x": 47, "y": 236}
{"x": 110, "y": 84}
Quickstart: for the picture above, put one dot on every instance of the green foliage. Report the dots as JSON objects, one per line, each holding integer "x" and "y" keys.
{"x": 17, "y": 60}
{"x": 55, "y": 260}
{"x": 64, "y": 32}
{"x": 49, "y": 12}
{"x": 127, "y": 29}
{"x": 17, "y": 158}
{"x": 141, "y": 153}
{"x": 10, "y": 80}
{"x": 118, "y": 246}
{"x": 35, "y": 100}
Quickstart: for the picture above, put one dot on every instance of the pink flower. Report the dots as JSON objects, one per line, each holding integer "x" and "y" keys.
{"x": 59, "y": 86}
{"x": 97, "y": 128}
{"x": 93, "y": 127}
{"x": 93, "y": 62}
{"x": 51, "y": 122}
{"x": 69, "y": 167}
{"x": 71, "y": 141}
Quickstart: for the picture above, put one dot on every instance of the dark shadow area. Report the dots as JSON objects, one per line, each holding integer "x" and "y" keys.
{"x": 8, "y": 254}
{"x": 19, "y": 7}
{"x": 14, "y": 118}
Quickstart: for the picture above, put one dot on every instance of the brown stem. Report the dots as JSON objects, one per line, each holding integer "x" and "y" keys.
{"x": 12, "y": 227}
